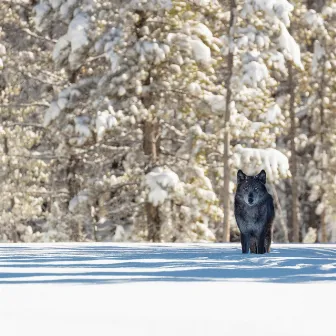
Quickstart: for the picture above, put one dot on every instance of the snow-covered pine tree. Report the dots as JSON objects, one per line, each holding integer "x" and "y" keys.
{"x": 26, "y": 85}
{"x": 138, "y": 127}
{"x": 309, "y": 28}
{"x": 261, "y": 45}
{"x": 141, "y": 69}
{"x": 320, "y": 29}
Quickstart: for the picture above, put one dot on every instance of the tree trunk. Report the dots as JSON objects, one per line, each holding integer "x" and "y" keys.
{"x": 293, "y": 161}
{"x": 151, "y": 149}
{"x": 324, "y": 233}
{"x": 227, "y": 115}
{"x": 317, "y": 5}
{"x": 323, "y": 224}
{"x": 151, "y": 145}
{"x": 282, "y": 222}
{"x": 13, "y": 233}
{"x": 153, "y": 222}
{"x": 73, "y": 188}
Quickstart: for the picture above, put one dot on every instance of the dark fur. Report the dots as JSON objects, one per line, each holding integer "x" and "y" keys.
{"x": 254, "y": 212}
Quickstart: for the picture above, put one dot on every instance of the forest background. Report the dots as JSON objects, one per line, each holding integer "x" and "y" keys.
{"x": 128, "y": 120}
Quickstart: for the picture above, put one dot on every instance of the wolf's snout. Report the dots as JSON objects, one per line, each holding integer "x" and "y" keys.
{"x": 250, "y": 198}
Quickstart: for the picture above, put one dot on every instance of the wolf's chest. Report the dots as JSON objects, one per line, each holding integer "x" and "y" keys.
{"x": 251, "y": 218}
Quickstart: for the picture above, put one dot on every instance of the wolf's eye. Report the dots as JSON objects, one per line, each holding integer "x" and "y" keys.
{"x": 256, "y": 189}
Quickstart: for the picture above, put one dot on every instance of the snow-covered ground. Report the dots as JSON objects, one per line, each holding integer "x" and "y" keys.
{"x": 165, "y": 289}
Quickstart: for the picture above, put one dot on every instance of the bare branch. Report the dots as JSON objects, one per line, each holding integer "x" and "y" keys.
{"x": 30, "y": 33}
{"x": 91, "y": 59}
{"x": 17, "y": 105}
{"x": 41, "y": 80}
{"x": 17, "y": 3}
{"x": 13, "y": 124}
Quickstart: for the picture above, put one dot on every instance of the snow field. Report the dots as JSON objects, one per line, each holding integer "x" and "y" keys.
{"x": 166, "y": 289}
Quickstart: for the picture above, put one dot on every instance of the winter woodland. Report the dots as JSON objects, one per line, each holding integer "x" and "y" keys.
{"x": 127, "y": 120}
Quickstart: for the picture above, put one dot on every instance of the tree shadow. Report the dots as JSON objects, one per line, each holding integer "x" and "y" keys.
{"x": 121, "y": 263}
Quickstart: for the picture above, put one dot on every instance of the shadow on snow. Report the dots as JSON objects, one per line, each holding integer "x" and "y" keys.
{"x": 119, "y": 264}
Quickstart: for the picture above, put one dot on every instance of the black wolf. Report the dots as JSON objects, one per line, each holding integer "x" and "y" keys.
{"x": 254, "y": 212}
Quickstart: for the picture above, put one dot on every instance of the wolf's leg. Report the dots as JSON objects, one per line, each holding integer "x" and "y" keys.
{"x": 245, "y": 242}
{"x": 268, "y": 240}
{"x": 253, "y": 244}
{"x": 261, "y": 244}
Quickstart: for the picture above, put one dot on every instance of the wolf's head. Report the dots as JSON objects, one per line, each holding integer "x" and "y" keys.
{"x": 251, "y": 189}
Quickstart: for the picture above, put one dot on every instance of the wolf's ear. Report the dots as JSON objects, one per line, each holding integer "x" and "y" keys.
{"x": 240, "y": 176}
{"x": 261, "y": 176}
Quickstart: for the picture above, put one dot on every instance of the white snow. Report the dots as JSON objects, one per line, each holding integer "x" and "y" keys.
{"x": 55, "y": 4}
{"x": 314, "y": 19}
{"x": 82, "y": 197}
{"x": 82, "y": 127}
{"x": 310, "y": 237}
{"x": 73, "y": 43}
{"x": 114, "y": 60}
{"x": 67, "y": 8}
{"x": 201, "y": 30}
{"x": 152, "y": 51}
{"x": 51, "y": 114}
{"x": 320, "y": 208}
{"x": 201, "y": 52}
{"x": 254, "y": 73}
{"x": 273, "y": 161}
{"x": 77, "y": 35}
{"x": 166, "y": 289}
{"x": 104, "y": 121}
{"x": 319, "y": 53}
{"x": 291, "y": 48}
{"x": 77, "y": 32}
{"x": 216, "y": 102}
{"x": 159, "y": 181}
{"x": 273, "y": 8}
{"x": 151, "y": 5}
{"x": 107, "y": 45}
{"x": 329, "y": 11}
{"x": 202, "y": 3}
{"x": 278, "y": 61}
{"x": 199, "y": 172}
{"x": 273, "y": 113}
{"x": 41, "y": 10}
{"x": 2, "y": 50}
{"x": 194, "y": 88}
{"x": 61, "y": 50}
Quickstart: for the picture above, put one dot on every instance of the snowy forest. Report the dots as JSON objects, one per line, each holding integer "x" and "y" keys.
{"x": 127, "y": 120}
